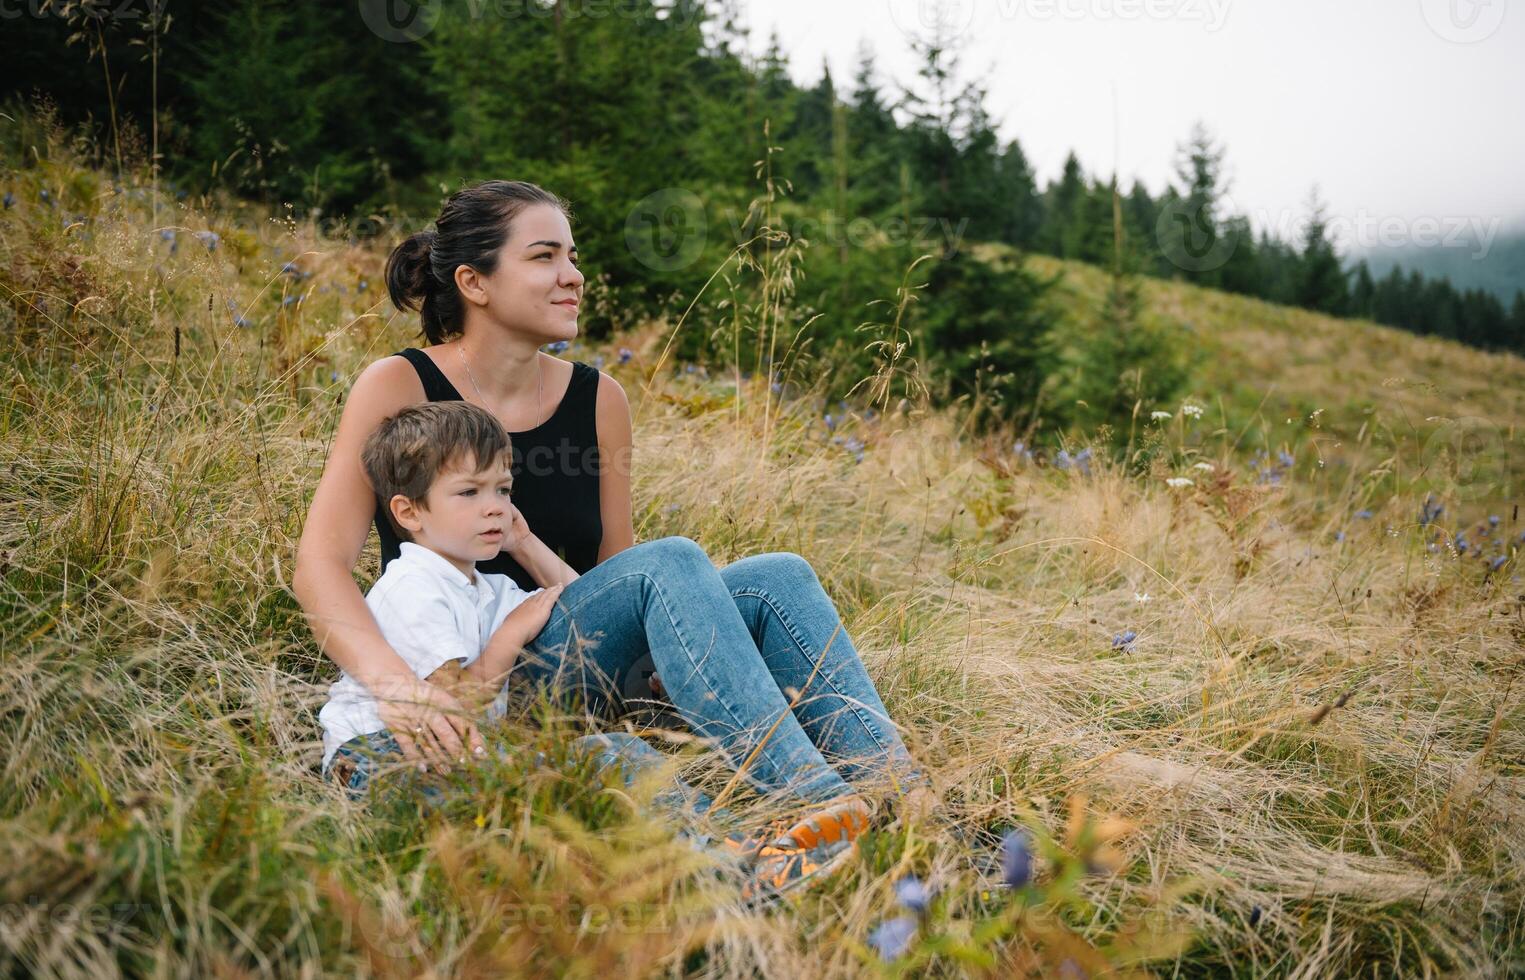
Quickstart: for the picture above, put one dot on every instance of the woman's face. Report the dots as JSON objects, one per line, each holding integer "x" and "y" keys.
{"x": 536, "y": 290}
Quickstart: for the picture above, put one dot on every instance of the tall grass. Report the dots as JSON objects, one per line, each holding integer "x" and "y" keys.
{"x": 1311, "y": 755}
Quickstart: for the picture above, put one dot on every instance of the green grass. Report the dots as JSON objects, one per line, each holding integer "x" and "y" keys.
{"x": 161, "y": 805}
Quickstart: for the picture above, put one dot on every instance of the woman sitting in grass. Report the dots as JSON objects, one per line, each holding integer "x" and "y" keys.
{"x": 496, "y": 281}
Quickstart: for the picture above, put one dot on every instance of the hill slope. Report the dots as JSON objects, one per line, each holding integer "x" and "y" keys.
{"x": 1307, "y": 760}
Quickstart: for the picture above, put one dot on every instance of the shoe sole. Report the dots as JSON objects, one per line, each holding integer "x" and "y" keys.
{"x": 769, "y": 894}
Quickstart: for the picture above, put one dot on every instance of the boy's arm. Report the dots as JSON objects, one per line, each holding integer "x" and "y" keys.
{"x": 518, "y": 628}
{"x": 541, "y": 562}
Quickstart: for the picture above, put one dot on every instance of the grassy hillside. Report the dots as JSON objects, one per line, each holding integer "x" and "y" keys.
{"x": 1310, "y": 760}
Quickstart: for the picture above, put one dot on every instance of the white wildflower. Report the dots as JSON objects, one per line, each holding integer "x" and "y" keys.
{"x": 1204, "y": 466}
{"x": 1179, "y": 481}
{"x": 1195, "y": 411}
{"x": 1159, "y": 416}
{"x": 1140, "y": 597}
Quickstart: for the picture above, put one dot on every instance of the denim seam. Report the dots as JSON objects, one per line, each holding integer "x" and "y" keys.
{"x": 799, "y": 641}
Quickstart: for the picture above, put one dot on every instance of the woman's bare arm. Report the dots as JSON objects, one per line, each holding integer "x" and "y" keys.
{"x": 333, "y": 536}
{"x": 612, "y": 418}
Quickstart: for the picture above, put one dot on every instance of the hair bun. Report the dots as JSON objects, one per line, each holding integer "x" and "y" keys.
{"x": 409, "y": 272}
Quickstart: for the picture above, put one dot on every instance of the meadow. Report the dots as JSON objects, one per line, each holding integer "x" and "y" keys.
{"x": 1252, "y": 691}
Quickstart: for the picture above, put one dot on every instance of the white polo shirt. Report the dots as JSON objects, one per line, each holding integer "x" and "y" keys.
{"x": 430, "y": 613}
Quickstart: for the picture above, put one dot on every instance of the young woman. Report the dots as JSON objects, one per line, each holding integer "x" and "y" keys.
{"x": 494, "y": 282}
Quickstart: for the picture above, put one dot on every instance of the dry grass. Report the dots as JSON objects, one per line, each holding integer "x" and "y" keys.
{"x": 1318, "y": 745}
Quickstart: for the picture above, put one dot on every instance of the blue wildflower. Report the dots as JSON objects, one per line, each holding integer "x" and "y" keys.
{"x": 626, "y": 354}
{"x": 913, "y": 894}
{"x": 1016, "y": 859}
{"x": 1498, "y": 561}
{"x": 1363, "y": 514}
{"x": 1254, "y": 916}
{"x": 1493, "y": 520}
{"x": 45, "y": 197}
{"x": 556, "y": 347}
{"x": 688, "y": 369}
{"x": 1460, "y": 544}
{"x": 168, "y": 234}
{"x": 831, "y": 423}
{"x": 1430, "y": 511}
{"x": 1339, "y": 535}
{"x": 1124, "y": 641}
{"x": 362, "y": 286}
{"x": 293, "y": 298}
{"x": 209, "y": 239}
{"x": 292, "y": 269}
{"x": 10, "y": 200}
{"x": 239, "y": 321}
{"x": 598, "y": 361}
{"x": 775, "y": 387}
{"x": 893, "y": 938}
{"x": 1285, "y": 457}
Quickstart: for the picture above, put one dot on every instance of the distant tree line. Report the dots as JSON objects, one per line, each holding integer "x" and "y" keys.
{"x": 337, "y": 110}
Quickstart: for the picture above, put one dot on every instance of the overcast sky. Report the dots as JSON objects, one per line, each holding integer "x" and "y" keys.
{"x": 1408, "y": 114}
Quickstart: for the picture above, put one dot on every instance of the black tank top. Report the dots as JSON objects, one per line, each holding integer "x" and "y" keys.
{"x": 555, "y": 470}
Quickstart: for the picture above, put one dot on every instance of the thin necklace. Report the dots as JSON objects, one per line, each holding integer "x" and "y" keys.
{"x": 539, "y": 387}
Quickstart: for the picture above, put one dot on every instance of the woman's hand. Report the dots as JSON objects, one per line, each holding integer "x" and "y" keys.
{"x": 429, "y": 724}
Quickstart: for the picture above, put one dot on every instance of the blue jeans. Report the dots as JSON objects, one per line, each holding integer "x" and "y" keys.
{"x": 726, "y": 643}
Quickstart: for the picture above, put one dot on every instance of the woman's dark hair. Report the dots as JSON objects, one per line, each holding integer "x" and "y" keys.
{"x": 472, "y": 225}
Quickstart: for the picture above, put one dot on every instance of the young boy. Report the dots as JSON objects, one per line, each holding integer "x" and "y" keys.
{"x": 443, "y": 470}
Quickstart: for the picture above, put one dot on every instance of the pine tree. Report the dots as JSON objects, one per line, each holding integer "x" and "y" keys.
{"x": 1363, "y": 293}
{"x": 1199, "y": 171}
{"x": 1321, "y": 283}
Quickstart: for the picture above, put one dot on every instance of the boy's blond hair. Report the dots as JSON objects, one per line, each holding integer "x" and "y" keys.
{"x": 409, "y": 450}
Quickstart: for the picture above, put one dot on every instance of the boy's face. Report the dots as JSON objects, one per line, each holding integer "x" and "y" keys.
{"x": 463, "y": 519}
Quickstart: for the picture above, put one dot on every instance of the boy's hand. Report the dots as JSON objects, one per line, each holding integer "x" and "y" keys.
{"x": 516, "y": 530}
{"x": 529, "y": 617}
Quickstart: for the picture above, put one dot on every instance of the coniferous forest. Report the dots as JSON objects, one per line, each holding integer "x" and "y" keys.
{"x": 676, "y": 145}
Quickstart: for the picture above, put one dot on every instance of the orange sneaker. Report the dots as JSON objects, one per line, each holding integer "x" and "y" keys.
{"x": 780, "y": 870}
{"x": 835, "y": 822}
